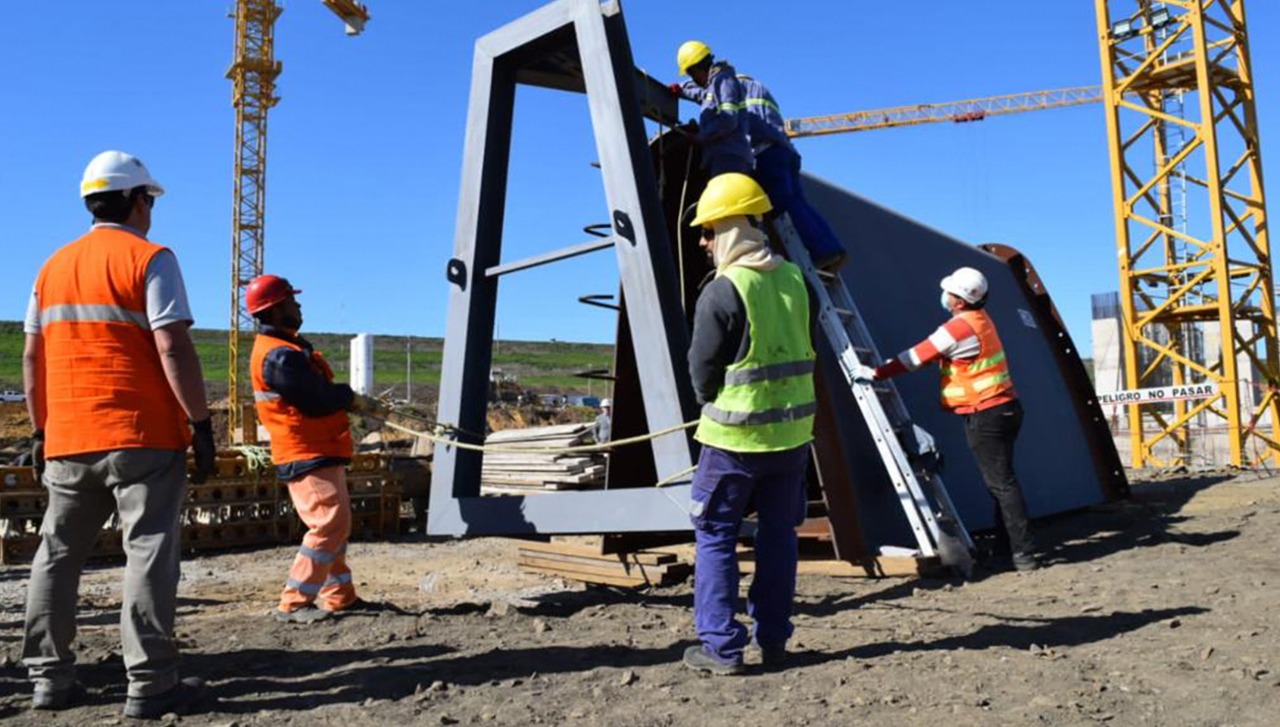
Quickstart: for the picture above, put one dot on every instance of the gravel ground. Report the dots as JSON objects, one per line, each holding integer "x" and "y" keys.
{"x": 1160, "y": 611}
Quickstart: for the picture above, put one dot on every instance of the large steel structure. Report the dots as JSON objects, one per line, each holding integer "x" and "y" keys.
{"x": 253, "y": 74}
{"x": 1190, "y": 221}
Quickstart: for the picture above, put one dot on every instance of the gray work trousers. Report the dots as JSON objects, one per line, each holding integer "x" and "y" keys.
{"x": 147, "y": 487}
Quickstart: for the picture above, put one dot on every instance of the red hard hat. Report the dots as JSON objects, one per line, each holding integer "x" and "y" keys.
{"x": 265, "y": 291}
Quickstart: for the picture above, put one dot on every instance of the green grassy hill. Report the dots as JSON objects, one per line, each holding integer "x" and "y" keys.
{"x": 537, "y": 365}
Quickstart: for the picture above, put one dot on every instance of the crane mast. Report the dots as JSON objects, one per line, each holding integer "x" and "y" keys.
{"x": 253, "y": 74}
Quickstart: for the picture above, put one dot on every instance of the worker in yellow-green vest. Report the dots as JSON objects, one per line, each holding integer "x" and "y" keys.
{"x": 751, "y": 361}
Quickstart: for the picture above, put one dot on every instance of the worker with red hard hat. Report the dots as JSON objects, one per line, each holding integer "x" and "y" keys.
{"x": 305, "y": 412}
{"x": 977, "y": 385}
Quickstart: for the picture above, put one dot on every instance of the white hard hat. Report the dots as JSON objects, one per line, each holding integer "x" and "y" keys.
{"x": 606, "y": 402}
{"x": 115, "y": 171}
{"x": 966, "y": 283}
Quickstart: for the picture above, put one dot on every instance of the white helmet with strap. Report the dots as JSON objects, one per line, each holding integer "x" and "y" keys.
{"x": 116, "y": 171}
{"x": 966, "y": 283}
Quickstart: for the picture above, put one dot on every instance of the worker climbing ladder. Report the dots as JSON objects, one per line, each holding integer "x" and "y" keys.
{"x": 907, "y": 450}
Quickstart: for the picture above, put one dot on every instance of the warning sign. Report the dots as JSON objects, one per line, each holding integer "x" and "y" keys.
{"x": 1160, "y": 393}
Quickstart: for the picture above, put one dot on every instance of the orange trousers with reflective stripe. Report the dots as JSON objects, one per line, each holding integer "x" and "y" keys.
{"x": 320, "y": 574}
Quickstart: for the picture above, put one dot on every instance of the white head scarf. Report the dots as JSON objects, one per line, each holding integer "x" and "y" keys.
{"x": 739, "y": 243}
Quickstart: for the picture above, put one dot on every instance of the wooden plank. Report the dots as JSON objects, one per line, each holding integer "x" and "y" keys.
{"x": 879, "y": 567}
{"x": 586, "y": 577}
{"x": 587, "y": 551}
{"x": 628, "y": 567}
{"x": 647, "y": 574}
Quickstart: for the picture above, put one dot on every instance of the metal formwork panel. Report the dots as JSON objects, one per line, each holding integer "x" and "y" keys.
{"x": 577, "y": 46}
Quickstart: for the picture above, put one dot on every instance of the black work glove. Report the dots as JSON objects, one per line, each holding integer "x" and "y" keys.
{"x": 37, "y": 453}
{"x": 203, "y": 450}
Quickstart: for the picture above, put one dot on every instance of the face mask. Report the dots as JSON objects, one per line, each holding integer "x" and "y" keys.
{"x": 946, "y": 306}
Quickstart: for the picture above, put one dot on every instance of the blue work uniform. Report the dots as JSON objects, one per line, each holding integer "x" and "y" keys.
{"x": 722, "y": 125}
{"x": 777, "y": 169}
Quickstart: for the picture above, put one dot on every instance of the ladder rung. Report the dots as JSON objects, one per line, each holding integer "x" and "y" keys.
{"x": 843, "y": 312}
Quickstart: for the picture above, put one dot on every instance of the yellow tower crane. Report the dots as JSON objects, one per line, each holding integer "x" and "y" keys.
{"x": 1183, "y": 134}
{"x": 253, "y": 76}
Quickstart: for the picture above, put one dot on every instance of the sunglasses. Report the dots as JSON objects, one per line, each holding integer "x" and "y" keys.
{"x": 708, "y": 234}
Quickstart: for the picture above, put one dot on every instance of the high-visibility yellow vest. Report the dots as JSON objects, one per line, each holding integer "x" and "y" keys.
{"x": 767, "y": 402}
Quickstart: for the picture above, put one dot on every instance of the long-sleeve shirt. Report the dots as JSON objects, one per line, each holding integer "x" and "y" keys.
{"x": 722, "y": 124}
{"x": 765, "y": 125}
{"x": 290, "y": 373}
{"x": 721, "y": 336}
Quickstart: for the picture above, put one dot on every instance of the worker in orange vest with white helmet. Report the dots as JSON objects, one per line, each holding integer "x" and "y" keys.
{"x": 305, "y": 412}
{"x": 976, "y": 384}
{"x": 116, "y": 394}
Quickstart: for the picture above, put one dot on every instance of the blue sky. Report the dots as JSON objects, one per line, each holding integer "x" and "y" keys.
{"x": 366, "y": 144}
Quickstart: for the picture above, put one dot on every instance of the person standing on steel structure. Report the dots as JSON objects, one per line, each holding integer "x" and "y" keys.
{"x": 116, "y": 394}
{"x": 305, "y": 413}
{"x": 722, "y": 127}
{"x": 776, "y": 163}
{"x": 977, "y": 385}
{"x": 751, "y": 360}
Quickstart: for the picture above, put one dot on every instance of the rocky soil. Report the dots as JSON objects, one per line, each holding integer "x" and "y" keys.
{"x": 1162, "y": 611}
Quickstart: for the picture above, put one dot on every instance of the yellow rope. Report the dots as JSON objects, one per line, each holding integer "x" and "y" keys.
{"x": 438, "y": 436}
{"x": 258, "y": 458}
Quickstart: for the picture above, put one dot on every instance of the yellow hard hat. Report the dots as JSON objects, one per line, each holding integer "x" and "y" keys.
{"x": 730, "y": 195}
{"x": 691, "y": 54}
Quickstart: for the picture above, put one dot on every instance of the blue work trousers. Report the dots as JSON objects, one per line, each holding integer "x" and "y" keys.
{"x": 778, "y": 171}
{"x": 717, "y": 164}
{"x": 726, "y": 485}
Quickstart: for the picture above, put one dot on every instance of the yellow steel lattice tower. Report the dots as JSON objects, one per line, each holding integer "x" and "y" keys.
{"x": 253, "y": 75}
{"x": 1195, "y": 260}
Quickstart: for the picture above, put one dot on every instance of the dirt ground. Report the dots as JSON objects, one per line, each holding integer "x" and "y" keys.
{"x": 1161, "y": 611}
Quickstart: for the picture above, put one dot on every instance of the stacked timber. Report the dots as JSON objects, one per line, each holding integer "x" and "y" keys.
{"x": 525, "y": 472}
{"x": 634, "y": 569}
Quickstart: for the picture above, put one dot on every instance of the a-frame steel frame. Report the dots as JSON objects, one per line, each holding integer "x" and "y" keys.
{"x": 582, "y": 46}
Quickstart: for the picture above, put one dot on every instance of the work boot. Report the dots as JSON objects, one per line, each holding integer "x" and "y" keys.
{"x": 773, "y": 656}
{"x": 304, "y": 615}
{"x": 1025, "y": 561}
{"x": 359, "y": 606}
{"x": 697, "y": 658}
{"x": 181, "y": 699}
{"x": 55, "y": 699}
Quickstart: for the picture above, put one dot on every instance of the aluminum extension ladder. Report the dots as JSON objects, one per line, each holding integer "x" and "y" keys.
{"x": 908, "y": 451}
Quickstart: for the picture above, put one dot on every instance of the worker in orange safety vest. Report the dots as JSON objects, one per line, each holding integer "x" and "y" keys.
{"x": 116, "y": 394}
{"x": 977, "y": 385}
{"x": 305, "y": 414}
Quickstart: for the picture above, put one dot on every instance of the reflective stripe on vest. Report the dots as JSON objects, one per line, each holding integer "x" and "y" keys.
{"x": 766, "y": 403}
{"x": 92, "y": 313}
{"x": 296, "y": 437}
{"x": 968, "y": 383}
{"x": 104, "y": 386}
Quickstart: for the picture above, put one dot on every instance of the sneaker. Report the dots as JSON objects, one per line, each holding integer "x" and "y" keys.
{"x": 181, "y": 699}
{"x": 304, "y": 615}
{"x": 697, "y": 658}
{"x": 1025, "y": 561}
{"x": 55, "y": 699}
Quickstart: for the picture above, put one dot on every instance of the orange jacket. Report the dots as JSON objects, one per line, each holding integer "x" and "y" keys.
{"x": 296, "y": 437}
{"x": 978, "y": 383}
{"x": 104, "y": 386}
